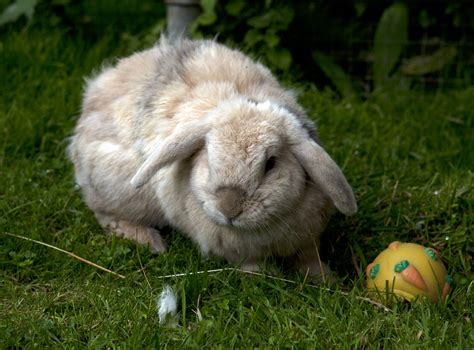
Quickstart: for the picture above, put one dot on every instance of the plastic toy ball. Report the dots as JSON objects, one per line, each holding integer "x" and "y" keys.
{"x": 410, "y": 271}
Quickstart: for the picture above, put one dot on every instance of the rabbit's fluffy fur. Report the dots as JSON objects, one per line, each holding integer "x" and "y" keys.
{"x": 200, "y": 137}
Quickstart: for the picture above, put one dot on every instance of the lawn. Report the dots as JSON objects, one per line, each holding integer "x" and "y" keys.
{"x": 409, "y": 156}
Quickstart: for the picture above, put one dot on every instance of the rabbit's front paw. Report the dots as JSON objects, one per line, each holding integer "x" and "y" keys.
{"x": 139, "y": 234}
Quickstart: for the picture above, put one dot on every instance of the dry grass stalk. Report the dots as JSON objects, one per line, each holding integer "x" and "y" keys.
{"x": 368, "y": 300}
{"x": 66, "y": 252}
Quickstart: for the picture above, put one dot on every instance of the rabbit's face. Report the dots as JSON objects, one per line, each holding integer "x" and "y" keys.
{"x": 252, "y": 163}
{"x": 245, "y": 176}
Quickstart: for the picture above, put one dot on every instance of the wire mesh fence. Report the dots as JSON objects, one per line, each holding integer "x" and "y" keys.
{"x": 438, "y": 52}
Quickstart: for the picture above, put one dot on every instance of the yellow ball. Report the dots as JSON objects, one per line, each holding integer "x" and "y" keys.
{"x": 410, "y": 271}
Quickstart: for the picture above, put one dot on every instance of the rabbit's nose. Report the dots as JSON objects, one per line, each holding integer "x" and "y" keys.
{"x": 230, "y": 200}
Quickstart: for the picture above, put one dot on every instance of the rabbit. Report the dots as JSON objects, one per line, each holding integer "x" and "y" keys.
{"x": 198, "y": 136}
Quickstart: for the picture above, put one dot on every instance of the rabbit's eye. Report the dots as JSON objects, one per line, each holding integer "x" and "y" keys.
{"x": 270, "y": 164}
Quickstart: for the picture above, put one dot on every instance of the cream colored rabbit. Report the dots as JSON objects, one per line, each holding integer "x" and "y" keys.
{"x": 200, "y": 137}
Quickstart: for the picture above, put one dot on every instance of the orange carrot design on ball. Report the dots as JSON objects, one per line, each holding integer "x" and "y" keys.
{"x": 410, "y": 274}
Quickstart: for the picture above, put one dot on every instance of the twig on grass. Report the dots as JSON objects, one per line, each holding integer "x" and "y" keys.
{"x": 354, "y": 262}
{"x": 195, "y": 273}
{"x": 65, "y": 252}
{"x": 142, "y": 268}
{"x": 368, "y": 300}
{"x": 319, "y": 262}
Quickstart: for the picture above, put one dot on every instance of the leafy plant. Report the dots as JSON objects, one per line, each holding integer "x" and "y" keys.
{"x": 263, "y": 24}
{"x": 18, "y": 9}
{"x": 208, "y": 15}
{"x": 424, "y": 64}
{"x": 336, "y": 74}
{"x": 263, "y": 34}
{"x": 390, "y": 38}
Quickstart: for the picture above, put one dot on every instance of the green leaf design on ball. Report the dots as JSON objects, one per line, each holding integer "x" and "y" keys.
{"x": 431, "y": 253}
{"x": 402, "y": 265}
{"x": 374, "y": 271}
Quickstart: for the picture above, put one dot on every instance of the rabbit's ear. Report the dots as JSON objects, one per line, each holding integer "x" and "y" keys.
{"x": 325, "y": 172}
{"x": 181, "y": 144}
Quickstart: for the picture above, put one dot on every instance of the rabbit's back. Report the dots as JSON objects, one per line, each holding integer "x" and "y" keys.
{"x": 142, "y": 96}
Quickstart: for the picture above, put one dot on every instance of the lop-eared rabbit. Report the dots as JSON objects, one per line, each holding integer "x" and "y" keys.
{"x": 200, "y": 137}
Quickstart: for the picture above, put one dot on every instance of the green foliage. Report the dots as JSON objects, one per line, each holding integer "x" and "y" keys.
{"x": 208, "y": 15}
{"x": 263, "y": 35}
{"x": 284, "y": 35}
{"x": 263, "y": 24}
{"x": 390, "y": 38}
{"x": 425, "y": 64}
{"x": 235, "y": 7}
{"x": 338, "y": 77}
{"x": 16, "y": 10}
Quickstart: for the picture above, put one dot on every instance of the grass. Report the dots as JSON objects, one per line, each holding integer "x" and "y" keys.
{"x": 408, "y": 155}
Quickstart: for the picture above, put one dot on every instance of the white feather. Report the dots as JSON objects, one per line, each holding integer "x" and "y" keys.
{"x": 167, "y": 305}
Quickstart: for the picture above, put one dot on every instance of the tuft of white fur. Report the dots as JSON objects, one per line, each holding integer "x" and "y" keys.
{"x": 167, "y": 305}
{"x": 108, "y": 147}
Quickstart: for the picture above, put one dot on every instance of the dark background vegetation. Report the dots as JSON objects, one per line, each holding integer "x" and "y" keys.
{"x": 286, "y": 34}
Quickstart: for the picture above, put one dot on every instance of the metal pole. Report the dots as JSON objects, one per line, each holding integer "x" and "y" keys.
{"x": 179, "y": 16}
